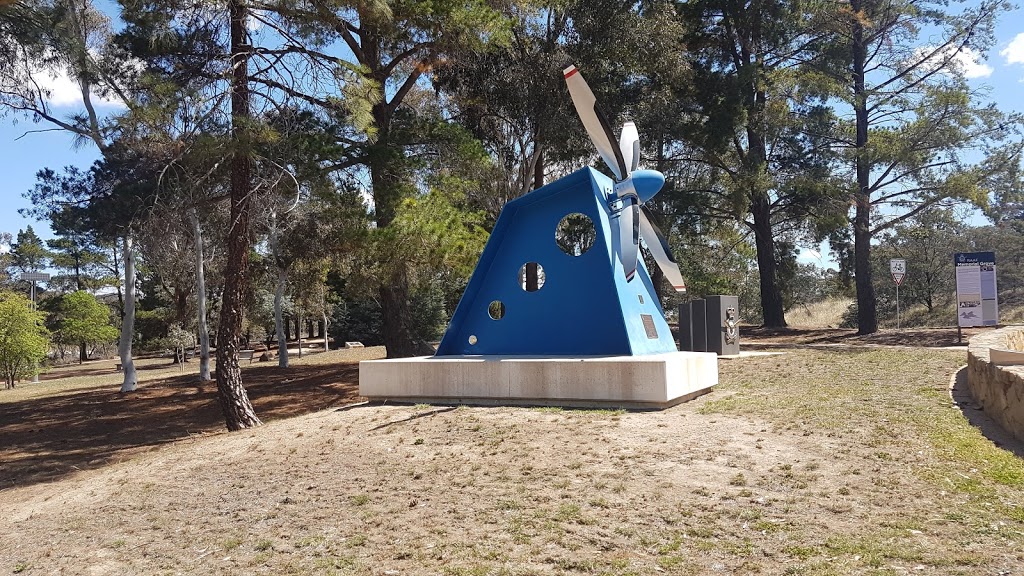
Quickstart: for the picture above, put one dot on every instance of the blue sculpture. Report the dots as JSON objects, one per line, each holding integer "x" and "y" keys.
{"x": 560, "y": 275}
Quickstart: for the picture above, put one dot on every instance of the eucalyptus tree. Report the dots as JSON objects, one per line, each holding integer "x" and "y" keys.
{"x": 72, "y": 37}
{"x": 755, "y": 116}
{"x": 387, "y": 50}
{"x": 920, "y": 135}
{"x": 111, "y": 199}
{"x": 927, "y": 242}
{"x": 307, "y": 214}
{"x": 45, "y": 38}
{"x": 203, "y": 51}
{"x": 513, "y": 99}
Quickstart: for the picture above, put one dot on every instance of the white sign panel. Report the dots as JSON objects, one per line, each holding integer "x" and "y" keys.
{"x": 898, "y": 269}
{"x": 977, "y": 301}
{"x": 35, "y": 276}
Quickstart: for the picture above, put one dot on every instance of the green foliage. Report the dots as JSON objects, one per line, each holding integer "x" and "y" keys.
{"x": 81, "y": 318}
{"x": 28, "y": 253}
{"x": 24, "y": 341}
{"x": 927, "y": 242}
{"x": 428, "y": 314}
{"x": 357, "y": 320}
{"x": 151, "y": 326}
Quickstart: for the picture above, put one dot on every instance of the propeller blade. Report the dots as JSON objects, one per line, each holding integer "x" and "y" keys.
{"x": 659, "y": 248}
{"x": 629, "y": 145}
{"x": 629, "y": 236}
{"x": 594, "y": 121}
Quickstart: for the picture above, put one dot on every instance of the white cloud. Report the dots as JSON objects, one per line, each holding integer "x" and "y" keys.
{"x": 971, "y": 64}
{"x": 966, "y": 61}
{"x": 65, "y": 92}
{"x": 1014, "y": 51}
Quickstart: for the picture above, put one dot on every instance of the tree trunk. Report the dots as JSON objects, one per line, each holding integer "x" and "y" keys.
{"x": 394, "y": 293}
{"x": 234, "y": 401}
{"x": 282, "y": 340}
{"x": 124, "y": 346}
{"x": 397, "y": 332}
{"x": 867, "y": 316}
{"x": 298, "y": 333}
{"x": 83, "y": 352}
{"x": 327, "y": 342}
{"x": 771, "y": 297}
{"x": 204, "y": 331}
{"x": 120, "y": 294}
{"x": 538, "y": 170}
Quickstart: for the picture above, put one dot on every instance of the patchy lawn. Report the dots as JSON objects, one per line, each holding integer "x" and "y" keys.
{"x": 847, "y": 461}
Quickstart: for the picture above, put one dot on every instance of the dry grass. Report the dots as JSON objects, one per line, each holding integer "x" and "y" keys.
{"x": 811, "y": 462}
{"x": 824, "y": 314}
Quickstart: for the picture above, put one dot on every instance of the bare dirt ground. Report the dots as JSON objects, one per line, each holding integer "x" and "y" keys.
{"x": 814, "y": 461}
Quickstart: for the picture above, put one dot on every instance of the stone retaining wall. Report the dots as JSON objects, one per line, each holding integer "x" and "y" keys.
{"x": 998, "y": 389}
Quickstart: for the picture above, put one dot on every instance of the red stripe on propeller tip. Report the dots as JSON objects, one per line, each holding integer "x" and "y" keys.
{"x": 571, "y": 72}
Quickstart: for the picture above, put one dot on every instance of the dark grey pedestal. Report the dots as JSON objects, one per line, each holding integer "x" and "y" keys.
{"x": 685, "y": 327}
{"x": 722, "y": 321}
{"x": 698, "y": 319}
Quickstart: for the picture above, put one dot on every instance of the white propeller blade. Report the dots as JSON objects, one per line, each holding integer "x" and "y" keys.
{"x": 629, "y": 235}
{"x": 629, "y": 145}
{"x": 597, "y": 126}
{"x": 659, "y": 248}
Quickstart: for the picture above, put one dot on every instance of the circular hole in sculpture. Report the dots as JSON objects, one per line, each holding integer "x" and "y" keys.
{"x": 531, "y": 277}
{"x": 575, "y": 234}
{"x": 472, "y": 339}
{"x": 496, "y": 310}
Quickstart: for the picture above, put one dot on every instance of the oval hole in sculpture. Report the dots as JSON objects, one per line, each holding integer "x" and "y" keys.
{"x": 496, "y": 310}
{"x": 472, "y": 339}
{"x": 575, "y": 234}
{"x": 531, "y": 277}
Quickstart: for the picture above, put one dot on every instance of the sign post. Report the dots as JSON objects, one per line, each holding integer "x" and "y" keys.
{"x": 898, "y": 269}
{"x": 35, "y": 277}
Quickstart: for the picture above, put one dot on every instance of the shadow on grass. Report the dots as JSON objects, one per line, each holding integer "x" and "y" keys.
{"x": 757, "y": 337}
{"x": 44, "y": 439}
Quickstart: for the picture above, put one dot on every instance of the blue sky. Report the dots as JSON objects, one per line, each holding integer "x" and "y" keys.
{"x": 25, "y": 154}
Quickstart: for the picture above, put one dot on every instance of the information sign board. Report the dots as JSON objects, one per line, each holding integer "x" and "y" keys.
{"x": 977, "y": 300}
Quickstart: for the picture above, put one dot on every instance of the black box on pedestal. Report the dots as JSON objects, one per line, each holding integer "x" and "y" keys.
{"x": 685, "y": 327}
{"x": 722, "y": 322}
{"x": 698, "y": 320}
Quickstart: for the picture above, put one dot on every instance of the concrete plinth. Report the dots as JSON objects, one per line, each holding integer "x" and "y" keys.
{"x": 650, "y": 381}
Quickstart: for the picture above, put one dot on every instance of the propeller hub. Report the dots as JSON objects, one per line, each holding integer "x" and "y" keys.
{"x": 642, "y": 183}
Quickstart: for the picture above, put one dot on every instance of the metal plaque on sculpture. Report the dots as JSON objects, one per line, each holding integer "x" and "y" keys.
{"x": 977, "y": 299}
